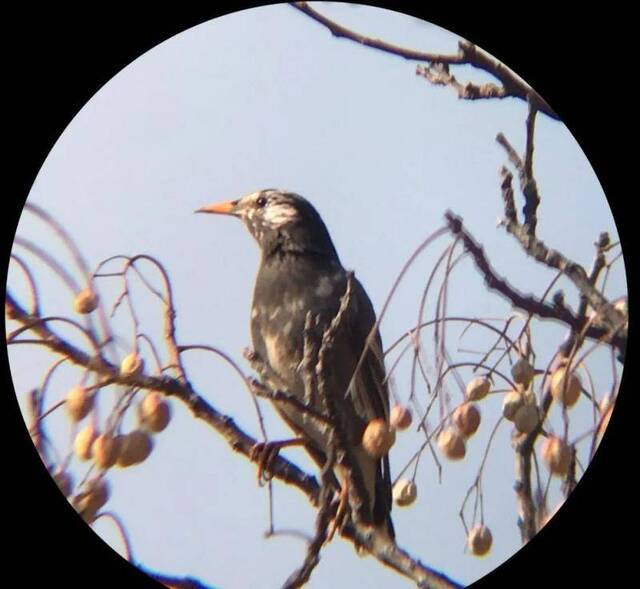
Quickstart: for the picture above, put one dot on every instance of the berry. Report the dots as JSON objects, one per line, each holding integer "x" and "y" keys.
{"x": 479, "y": 540}
{"x": 86, "y": 301}
{"x": 467, "y": 419}
{"x": 405, "y": 492}
{"x": 477, "y": 388}
{"x": 451, "y": 444}
{"x": 400, "y": 417}
{"x": 378, "y": 438}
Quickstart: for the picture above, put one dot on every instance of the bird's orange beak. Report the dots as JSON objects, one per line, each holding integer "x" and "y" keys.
{"x": 220, "y": 208}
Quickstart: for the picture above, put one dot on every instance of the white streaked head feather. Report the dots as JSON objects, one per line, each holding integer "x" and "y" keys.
{"x": 276, "y": 214}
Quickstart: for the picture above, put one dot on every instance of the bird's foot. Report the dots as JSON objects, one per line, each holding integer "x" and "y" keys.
{"x": 255, "y": 361}
{"x": 264, "y": 453}
{"x": 251, "y": 355}
{"x": 339, "y": 521}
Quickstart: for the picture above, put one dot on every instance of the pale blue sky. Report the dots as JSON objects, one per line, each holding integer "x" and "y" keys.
{"x": 267, "y": 97}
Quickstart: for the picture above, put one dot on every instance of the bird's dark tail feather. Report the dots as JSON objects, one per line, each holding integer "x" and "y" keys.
{"x": 384, "y": 500}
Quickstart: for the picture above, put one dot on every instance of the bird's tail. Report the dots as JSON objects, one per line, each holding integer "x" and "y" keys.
{"x": 383, "y": 499}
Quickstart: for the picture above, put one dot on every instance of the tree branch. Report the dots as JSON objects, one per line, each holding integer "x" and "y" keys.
{"x": 468, "y": 54}
{"x": 391, "y": 555}
{"x": 326, "y": 512}
{"x": 387, "y": 553}
{"x": 237, "y": 439}
{"x": 616, "y": 337}
{"x": 613, "y": 319}
{"x": 172, "y": 582}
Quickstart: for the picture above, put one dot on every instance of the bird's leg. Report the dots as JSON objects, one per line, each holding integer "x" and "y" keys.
{"x": 256, "y": 362}
{"x": 264, "y": 453}
{"x": 339, "y": 520}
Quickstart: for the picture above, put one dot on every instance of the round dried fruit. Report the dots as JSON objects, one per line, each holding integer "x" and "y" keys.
{"x": 84, "y": 441}
{"x": 479, "y": 540}
{"x": 405, "y": 492}
{"x": 105, "y": 450}
{"x": 154, "y": 412}
{"x": 556, "y": 454}
{"x": 86, "y": 301}
{"x": 135, "y": 447}
{"x": 467, "y": 419}
{"x": 451, "y": 444}
{"x": 79, "y": 402}
{"x": 400, "y": 417}
{"x": 378, "y": 438}
{"x": 526, "y": 418}
{"x": 90, "y": 501}
{"x": 565, "y": 386}
{"x": 522, "y": 372}
{"x": 477, "y": 388}
{"x": 132, "y": 365}
{"x": 513, "y": 400}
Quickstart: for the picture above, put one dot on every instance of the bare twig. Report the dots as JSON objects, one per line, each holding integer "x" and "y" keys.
{"x": 374, "y": 329}
{"x": 471, "y": 320}
{"x": 61, "y": 232}
{"x": 128, "y": 554}
{"x": 37, "y": 251}
{"x": 169, "y": 312}
{"x": 33, "y": 291}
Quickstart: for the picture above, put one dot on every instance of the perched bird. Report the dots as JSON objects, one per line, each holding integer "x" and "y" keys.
{"x": 301, "y": 277}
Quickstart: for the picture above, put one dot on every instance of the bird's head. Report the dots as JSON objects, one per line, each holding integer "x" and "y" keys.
{"x": 280, "y": 221}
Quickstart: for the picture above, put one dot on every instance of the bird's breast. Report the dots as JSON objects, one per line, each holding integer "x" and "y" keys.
{"x": 283, "y": 357}
{"x": 283, "y": 297}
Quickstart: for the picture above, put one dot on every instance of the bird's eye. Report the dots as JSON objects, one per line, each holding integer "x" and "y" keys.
{"x": 261, "y": 201}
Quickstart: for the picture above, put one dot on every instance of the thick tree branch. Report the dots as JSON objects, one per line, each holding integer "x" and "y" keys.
{"x": 399, "y": 560}
{"x": 326, "y": 512}
{"x": 615, "y": 337}
{"x": 527, "y": 521}
{"x": 523, "y": 445}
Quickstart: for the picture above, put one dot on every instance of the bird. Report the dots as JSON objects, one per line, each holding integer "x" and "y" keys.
{"x": 300, "y": 277}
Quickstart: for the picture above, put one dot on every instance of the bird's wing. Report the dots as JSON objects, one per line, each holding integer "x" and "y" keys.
{"x": 368, "y": 391}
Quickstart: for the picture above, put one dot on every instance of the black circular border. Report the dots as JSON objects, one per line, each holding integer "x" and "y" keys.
{"x": 580, "y": 62}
